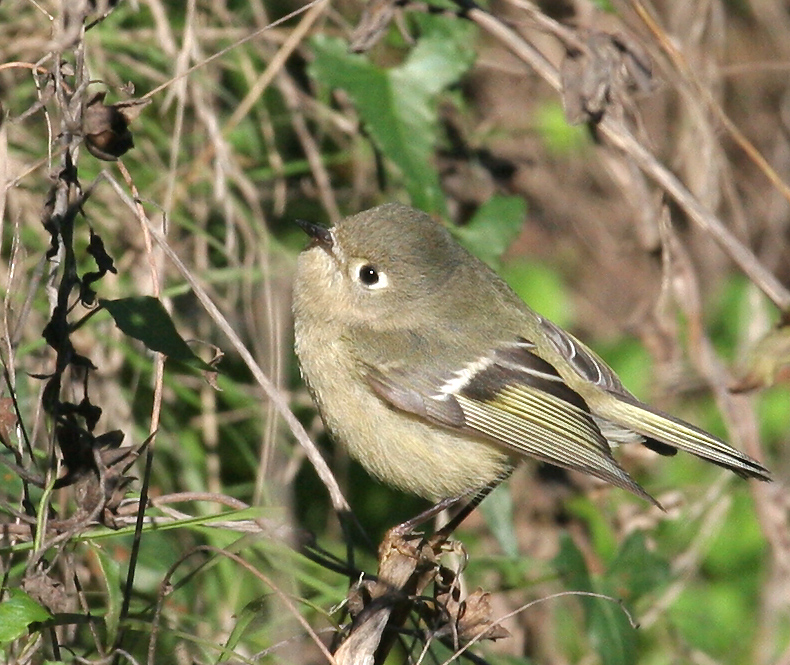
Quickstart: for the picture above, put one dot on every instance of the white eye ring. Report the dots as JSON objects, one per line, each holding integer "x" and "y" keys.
{"x": 369, "y": 276}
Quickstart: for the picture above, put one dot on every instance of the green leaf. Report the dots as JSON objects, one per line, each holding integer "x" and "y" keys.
{"x": 399, "y": 105}
{"x": 560, "y": 137}
{"x": 251, "y": 616}
{"x": 608, "y": 627}
{"x": 570, "y": 564}
{"x": 498, "y": 512}
{"x": 602, "y": 535}
{"x": 111, "y": 571}
{"x": 494, "y": 227}
{"x": 636, "y": 571}
{"x": 146, "y": 319}
{"x": 611, "y": 634}
{"x": 17, "y": 612}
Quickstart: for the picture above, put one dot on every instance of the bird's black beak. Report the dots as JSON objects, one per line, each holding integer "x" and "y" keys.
{"x": 321, "y": 235}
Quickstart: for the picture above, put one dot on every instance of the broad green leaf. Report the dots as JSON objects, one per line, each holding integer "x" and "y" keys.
{"x": 609, "y": 630}
{"x": 398, "y": 106}
{"x": 146, "y": 319}
{"x": 602, "y": 535}
{"x": 494, "y": 227}
{"x": 611, "y": 634}
{"x": 570, "y": 564}
{"x": 17, "y": 612}
{"x": 637, "y": 571}
{"x": 498, "y": 512}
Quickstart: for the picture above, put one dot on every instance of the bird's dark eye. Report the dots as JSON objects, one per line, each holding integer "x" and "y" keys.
{"x": 368, "y": 275}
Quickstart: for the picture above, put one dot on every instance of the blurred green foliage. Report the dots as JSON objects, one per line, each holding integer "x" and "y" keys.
{"x": 493, "y": 228}
{"x": 559, "y": 136}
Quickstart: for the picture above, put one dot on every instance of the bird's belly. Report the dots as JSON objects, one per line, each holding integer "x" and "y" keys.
{"x": 412, "y": 454}
{"x": 426, "y": 460}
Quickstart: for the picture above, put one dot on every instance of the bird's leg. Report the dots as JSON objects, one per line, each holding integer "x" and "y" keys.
{"x": 401, "y": 531}
{"x": 441, "y": 536}
{"x": 407, "y": 528}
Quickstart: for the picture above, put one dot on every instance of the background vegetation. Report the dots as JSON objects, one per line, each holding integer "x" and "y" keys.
{"x": 657, "y": 228}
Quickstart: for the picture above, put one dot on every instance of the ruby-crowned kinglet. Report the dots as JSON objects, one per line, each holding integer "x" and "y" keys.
{"x": 438, "y": 378}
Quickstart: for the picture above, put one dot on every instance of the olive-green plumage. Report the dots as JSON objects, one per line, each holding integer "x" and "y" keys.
{"x": 438, "y": 378}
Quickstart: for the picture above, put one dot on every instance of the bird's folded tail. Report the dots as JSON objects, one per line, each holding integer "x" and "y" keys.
{"x": 672, "y": 431}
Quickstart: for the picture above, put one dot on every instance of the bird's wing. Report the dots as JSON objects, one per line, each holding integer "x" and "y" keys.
{"x": 664, "y": 431}
{"x": 514, "y": 398}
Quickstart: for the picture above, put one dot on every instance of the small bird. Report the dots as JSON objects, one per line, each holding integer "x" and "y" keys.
{"x": 438, "y": 379}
